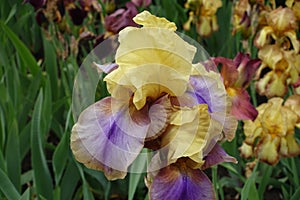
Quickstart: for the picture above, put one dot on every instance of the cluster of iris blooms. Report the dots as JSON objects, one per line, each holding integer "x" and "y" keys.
{"x": 183, "y": 125}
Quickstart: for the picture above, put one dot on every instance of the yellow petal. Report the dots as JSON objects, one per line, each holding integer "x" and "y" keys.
{"x": 188, "y": 134}
{"x": 147, "y": 20}
{"x": 293, "y": 102}
{"x": 153, "y": 60}
{"x": 264, "y": 36}
{"x": 293, "y": 146}
{"x": 246, "y": 150}
{"x": 282, "y": 19}
{"x": 267, "y": 150}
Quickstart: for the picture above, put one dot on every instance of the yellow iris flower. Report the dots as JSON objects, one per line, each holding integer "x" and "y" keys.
{"x": 271, "y": 135}
{"x": 279, "y": 52}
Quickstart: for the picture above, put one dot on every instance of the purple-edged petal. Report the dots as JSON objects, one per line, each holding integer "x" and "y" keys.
{"x": 246, "y": 68}
{"x": 121, "y": 18}
{"x": 215, "y": 156}
{"x": 106, "y": 68}
{"x": 109, "y": 135}
{"x": 176, "y": 182}
{"x": 242, "y": 108}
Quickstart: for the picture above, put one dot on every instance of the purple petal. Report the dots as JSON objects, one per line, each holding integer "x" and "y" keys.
{"x": 215, "y": 156}
{"x": 205, "y": 90}
{"x": 229, "y": 70}
{"x": 181, "y": 182}
{"x": 242, "y": 108}
{"x": 246, "y": 67}
{"x": 121, "y": 18}
{"x": 109, "y": 135}
{"x": 106, "y": 68}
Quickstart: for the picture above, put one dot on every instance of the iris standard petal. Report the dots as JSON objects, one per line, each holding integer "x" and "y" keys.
{"x": 181, "y": 182}
{"x": 151, "y": 67}
{"x": 109, "y": 136}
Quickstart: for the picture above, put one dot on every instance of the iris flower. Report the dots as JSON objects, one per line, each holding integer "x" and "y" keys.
{"x": 203, "y": 14}
{"x": 120, "y": 19}
{"x": 241, "y": 19}
{"x": 271, "y": 135}
{"x": 279, "y": 52}
{"x": 159, "y": 100}
{"x": 295, "y": 6}
{"x": 237, "y": 75}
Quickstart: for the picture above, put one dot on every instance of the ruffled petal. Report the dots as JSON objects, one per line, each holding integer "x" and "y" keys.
{"x": 151, "y": 68}
{"x": 109, "y": 135}
{"x": 147, "y": 20}
{"x": 187, "y": 134}
{"x": 176, "y": 182}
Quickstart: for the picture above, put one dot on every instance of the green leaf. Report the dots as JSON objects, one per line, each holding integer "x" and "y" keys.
{"x": 26, "y": 177}
{"x": 22, "y": 50}
{"x": 265, "y": 179}
{"x": 13, "y": 160}
{"x": 11, "y": 13}
{"x": 7, "y": 187}
{"x": 249, "y": 191}
{"x": 2, "y": 162}
{"x": 69, "y": 181}
{"x": 60, "y": 157}
{"x": 26, "y": 195}
{"x": 42, "y": 177}
{"x": 137, "y": 166}
{"x": 51, "y": 65}
{"x": 87, "y": 194}
{"x": 296, "y": 195}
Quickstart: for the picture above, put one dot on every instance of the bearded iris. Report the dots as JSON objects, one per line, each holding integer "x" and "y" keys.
{"x": 237, "y": 75}
{"x": 271, "y": 135}
{"x": 159, "y": 100}
{"x": 279, "y": 52}
{"x": 203, "y": 14}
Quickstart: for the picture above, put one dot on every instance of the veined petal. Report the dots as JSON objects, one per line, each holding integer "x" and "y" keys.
{"x": 159, "y": 114}
{"x": 109, "y": 135}
{"x": 181, "y": 182}
{"x": 241, "y": 106}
